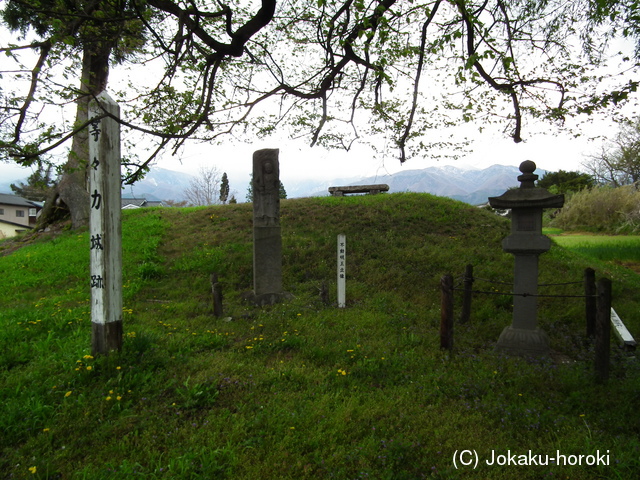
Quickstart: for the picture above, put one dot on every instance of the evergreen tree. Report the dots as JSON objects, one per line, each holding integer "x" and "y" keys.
{"x": 249, "y": 197}
{"x": 224, "y": 188}
{"x": 38, "y": 185}
{"x": 565, "y": 182}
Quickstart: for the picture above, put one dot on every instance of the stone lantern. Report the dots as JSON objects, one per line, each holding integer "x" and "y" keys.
{"x": 526, "y": 243}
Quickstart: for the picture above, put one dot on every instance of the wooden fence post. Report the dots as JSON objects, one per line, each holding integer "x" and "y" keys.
{"x": 216, "y": 290}
{"x": 590, "y": 301}
{"x": 466, "y": 296}
{"x": 324, "y": 293}
{"x": 603, "y": 330}
{"x": 446, "y": 312}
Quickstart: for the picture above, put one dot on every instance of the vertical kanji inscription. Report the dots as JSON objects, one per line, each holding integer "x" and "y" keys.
{"x": 105, "y": 230}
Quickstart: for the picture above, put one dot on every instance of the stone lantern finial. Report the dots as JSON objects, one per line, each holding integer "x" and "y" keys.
{"x": 528, "y": 178}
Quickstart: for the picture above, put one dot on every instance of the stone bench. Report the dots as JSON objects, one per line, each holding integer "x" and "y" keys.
{"x": 371, "y": 189}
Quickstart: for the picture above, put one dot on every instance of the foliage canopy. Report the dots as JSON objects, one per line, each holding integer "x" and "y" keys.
{"x": 333, "y": 72}
{"x": 565, "y": 182}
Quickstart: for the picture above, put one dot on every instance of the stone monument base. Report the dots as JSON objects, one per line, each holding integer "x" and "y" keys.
{"x": 266, "y": 298}
{"x": 267, "y": 260}
{"x": 523, "y": 342}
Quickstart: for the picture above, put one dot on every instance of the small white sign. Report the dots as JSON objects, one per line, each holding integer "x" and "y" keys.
{"x": 342, "y": 269}
{"x": 624, "y": 336}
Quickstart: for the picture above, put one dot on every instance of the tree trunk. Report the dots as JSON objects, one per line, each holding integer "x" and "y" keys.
{"x": 73, "y": 186}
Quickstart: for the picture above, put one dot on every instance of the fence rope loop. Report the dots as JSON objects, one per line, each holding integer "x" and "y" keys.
{"x": 471, "y": 279}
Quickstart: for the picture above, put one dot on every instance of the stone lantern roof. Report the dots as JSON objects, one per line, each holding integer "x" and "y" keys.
{"x": 528, "y": 195}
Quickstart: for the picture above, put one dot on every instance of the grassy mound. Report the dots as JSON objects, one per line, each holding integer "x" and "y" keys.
{"x": 303, "y": 389}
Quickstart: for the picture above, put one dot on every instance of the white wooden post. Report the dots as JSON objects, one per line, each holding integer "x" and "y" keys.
{"x": 625, "y": 339}
{"x": 342, "y": 269}
{"x": 104, "y": 226}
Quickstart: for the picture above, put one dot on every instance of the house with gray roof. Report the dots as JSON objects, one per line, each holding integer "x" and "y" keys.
{"x": 17, "y": 214}
{"x": 129, "y": 203}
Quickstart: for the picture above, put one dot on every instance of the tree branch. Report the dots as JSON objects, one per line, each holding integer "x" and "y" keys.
{"x": 416, "y": 85}
{"x": 45, "y": 48}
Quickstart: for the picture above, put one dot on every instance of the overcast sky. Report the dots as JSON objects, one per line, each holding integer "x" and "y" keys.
{"x": 299, "y": 162}
{"x": 551, "y": 151}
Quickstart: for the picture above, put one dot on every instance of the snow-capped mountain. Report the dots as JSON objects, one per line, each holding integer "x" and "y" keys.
{"x": 469, "y": 185}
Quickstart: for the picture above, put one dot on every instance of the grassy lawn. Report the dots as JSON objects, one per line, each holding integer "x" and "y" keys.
{"x": 620, "y": 249}
{"x": 304, "y": 389}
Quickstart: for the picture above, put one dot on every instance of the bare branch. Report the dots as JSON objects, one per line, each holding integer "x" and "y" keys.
{"x": 416, "y": 85}
{"x": 45, "y": 48}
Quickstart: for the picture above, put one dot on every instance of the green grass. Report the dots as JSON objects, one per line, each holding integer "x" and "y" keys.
{"x": 302, "y": 389}
{"x": 620, "y": 248}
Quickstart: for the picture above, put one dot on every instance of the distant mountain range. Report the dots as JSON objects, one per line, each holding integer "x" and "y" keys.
{"x": 159, "y": 184}
{"x": 469, "y": 185}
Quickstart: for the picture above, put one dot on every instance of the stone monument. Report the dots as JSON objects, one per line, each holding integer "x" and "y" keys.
{"x": 526, "y": 243}
{"x": 267, "y": 239}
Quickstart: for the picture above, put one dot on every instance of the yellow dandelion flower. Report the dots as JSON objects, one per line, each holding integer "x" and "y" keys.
{"x": 45, "y": 429}
{"x": 118, "y": 368}
{"x": 33, "y": 469}
{"x": 108, "y": 398}
{"x": 68, "y": 393}
{"x": 118, "y": 398}
{"x": 89, "y": 368}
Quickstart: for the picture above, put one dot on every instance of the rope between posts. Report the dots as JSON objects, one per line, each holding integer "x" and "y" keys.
{"x": 467, "y": 280}
{"x": 490, "y": 281}
{"x": 511, "y": 283}
{"x": 525, "y": 294}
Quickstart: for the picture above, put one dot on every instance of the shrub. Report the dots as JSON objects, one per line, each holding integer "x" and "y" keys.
{"x": 604, "y": 209}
